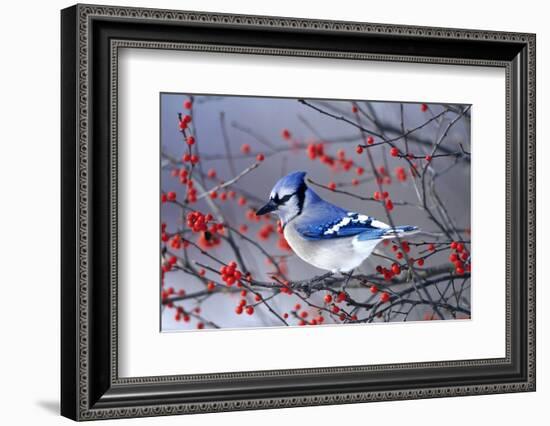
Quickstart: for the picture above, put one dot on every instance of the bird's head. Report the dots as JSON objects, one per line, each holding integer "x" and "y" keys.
{"x": 287, "y": 197}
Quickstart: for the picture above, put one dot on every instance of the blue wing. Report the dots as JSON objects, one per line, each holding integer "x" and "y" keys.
{"x": 342, "y": 224}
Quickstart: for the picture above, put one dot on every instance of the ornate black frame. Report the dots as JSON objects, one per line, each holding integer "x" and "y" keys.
{"x": 91, "y": 388}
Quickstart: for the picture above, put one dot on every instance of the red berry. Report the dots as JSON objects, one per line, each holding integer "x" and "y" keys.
{"x": 370, "y": 140}
{"x": 212, "y": 173}
{"x": 360, "y": 170}
{"x": 328, "y": 298}
{"x": 389, "y": 205}
{"x": 187, "y": 104}
{"x": 171, "y": 196}
{"x": 420, "y": 262}
{"x": 399, "y": 255}
{"x": 354, "y": 109}
{"x": 190, "y": 140}
{"x": 286, "y": 134}
{"x": 428, "y": 158}
{"x": 341, "y": 296}
{"x": 453, "y": 245}
{"x": 245, "y": 148}
{"x": 163, "y": 198}
{"x": 423, "y": 107}
{"x": 200, "y": 325}
{"x": 431, "y": 247}
{"x": 359, "y": 149}
{"x": 384, "y": 297}
{"x": 210, "y": 286}
{"x": 260, "y": 157}
{"x": 250, "y": 310}
{"x": 394, "y": 152}
{"x": 355, "y": 182}
{"x": 396, "y": 269}
{"x": 332, "y": 186}
{"x": 373, "y": 289}
{"x": 459, "y": 247}
{"x": 239, "y": 310}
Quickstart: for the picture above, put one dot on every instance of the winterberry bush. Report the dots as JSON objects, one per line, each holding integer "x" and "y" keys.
{"x": 222, "y": 266}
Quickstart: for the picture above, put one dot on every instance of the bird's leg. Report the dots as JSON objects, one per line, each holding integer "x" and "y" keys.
{"x": 347, "y": 280}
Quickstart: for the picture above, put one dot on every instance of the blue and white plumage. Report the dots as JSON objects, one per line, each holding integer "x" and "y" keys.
{"x": 322, "y": 234}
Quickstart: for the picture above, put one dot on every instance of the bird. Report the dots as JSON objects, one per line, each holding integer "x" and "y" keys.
{"x": 323, "y": 234}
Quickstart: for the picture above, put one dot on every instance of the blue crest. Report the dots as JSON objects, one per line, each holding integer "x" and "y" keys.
{"x": 289, "y": 183}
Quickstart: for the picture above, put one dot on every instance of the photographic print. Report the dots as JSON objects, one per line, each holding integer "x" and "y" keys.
{"x": 280, "y": 212}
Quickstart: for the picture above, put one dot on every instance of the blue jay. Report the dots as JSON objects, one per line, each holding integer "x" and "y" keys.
{"x": 322, "y": 234}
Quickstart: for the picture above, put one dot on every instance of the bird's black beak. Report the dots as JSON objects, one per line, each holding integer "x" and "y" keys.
{"x": 269, "y": 207}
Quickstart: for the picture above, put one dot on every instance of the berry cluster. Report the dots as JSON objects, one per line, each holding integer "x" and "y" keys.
{"x": 265, "y": 231}
{"x": 384, "y": 196}
{"x": 302, "y": 315}
{"x": 230, "y": 274}
{"x": 169, "y": 196}
{"x": 389, "y": 273}
{"x": 190, "y": 158}
{"x": 242, "y": 306}
{"x": 198, "y": 221}
{"x": 460, "y": 258}
{"x": 184, "y": 122}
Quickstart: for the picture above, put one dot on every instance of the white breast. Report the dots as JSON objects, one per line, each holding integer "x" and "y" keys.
{"x": 336, "y": 254}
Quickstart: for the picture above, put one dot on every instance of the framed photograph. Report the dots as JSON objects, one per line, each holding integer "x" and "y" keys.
{"x": 263, "y": 212}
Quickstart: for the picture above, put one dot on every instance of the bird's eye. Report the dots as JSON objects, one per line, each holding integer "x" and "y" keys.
{"x": 285, "y": 198}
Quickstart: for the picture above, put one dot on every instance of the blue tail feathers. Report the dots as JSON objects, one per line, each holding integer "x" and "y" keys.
{"x": 382, "y": 233}
{"x": 403, "y": 229}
